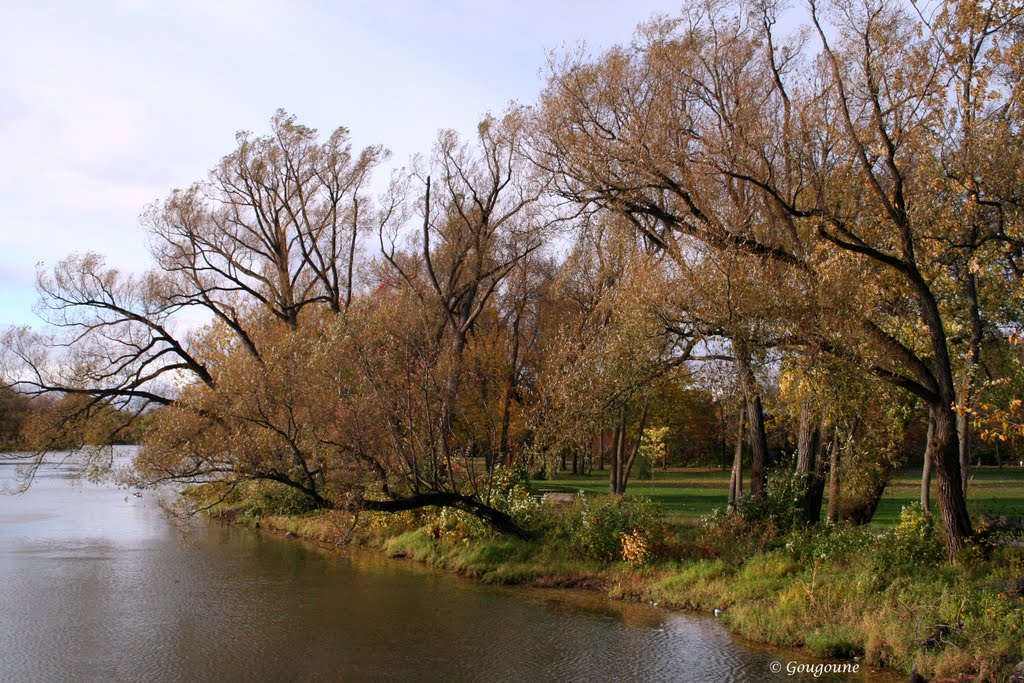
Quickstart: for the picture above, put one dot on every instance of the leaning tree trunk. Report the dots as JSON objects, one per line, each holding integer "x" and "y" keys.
{"x": 501, "y": 521}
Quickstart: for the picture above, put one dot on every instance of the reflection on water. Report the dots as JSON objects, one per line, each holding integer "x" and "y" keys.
{"x": 96, "y": 585}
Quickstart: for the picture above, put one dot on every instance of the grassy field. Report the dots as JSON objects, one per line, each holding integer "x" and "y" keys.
{"x": 692, "y": 493}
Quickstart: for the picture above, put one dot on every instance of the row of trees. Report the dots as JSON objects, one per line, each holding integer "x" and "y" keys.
{"x": 830, "y": 218}
{"x": 865, "y": 193}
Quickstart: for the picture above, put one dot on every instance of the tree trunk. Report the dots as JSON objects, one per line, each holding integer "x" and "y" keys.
{"x": 926, "y": 471}
{"x": 736, "y": 478}
{"x": 963, "y": 425}
{"x": 616, "y": 459}
{"x": 506, "y": 417}
{"x": 945, "y": 453}
{"x": 624, "y": 474}
{"x": 816, "y": 492}
{"x": 510, "y": 386}
{"x": 758, "y": 448}
{"x": 863, "y": 508}
{"x": 446, "y": 420}
{"x": 833, "y": 480}
{"x": 806, "y": 460}
{"x": 945, "y": 447}
{"x": 755, "y": 418}
{"x": 963, "y": 434}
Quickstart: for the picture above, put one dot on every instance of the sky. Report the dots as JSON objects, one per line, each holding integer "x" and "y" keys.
{"x": 107, "y": 106}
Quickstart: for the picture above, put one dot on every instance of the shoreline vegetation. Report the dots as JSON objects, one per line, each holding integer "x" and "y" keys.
{"x": 880, "y": 595}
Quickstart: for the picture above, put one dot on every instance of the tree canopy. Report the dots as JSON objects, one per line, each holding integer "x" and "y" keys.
{"x": 820, "y": 232}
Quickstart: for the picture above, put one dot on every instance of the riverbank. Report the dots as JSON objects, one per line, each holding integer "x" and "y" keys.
{"x": 882, "y": 598}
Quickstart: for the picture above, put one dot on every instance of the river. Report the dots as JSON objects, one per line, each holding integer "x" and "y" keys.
{"x": 97, "y": 584}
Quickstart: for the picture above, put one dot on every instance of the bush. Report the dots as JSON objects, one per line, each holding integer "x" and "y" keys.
{"x": 635, "y": 549}
{"x": 781, "y": 503}
{"x": 511, "y": 495}
{"x": 833, "y": 543}
{"x": 595, "y": 525}
{"x": 457, "y": 525}
{"x": 911, "y": 543}
{"x": 733, "y": 537}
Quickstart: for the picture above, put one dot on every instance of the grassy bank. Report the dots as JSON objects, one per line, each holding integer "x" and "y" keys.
{"x": 883, "y": 595}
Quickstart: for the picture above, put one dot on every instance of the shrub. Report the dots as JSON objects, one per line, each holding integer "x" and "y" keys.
{"x": 733, "y": 537}
{"x": 635, "y": 549}
{"x": 595, "y": 525}
{"x": 833, "y": 543}
{"x": 781, "y": 503}
{"x": 911, "y": 543}
{"x": 511, "y": 495}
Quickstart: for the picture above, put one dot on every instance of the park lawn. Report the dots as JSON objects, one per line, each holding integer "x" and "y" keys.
{"x": 687, "y": 493}
{"x": 690, "y": 493}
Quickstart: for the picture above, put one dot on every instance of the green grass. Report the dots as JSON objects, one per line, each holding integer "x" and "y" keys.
{"x": 693, "y": 493}
{"x": 689, "y": 493}
{"x": 992, "y": 491}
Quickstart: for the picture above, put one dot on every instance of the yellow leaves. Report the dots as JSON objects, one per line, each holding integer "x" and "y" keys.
{"x": 989, "y": 435}
{"x": 999, "y": 424}
{"x": 635, "y": 551}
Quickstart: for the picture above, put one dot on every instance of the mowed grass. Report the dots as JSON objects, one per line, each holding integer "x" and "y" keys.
{"x": 685, "y": 492}
{"x": 693, "y": 493}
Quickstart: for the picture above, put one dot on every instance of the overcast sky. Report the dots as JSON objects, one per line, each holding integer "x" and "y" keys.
{"x": 106, "y": 106}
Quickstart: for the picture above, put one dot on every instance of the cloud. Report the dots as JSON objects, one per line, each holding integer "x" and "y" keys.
{"x": 110, "y": 105}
